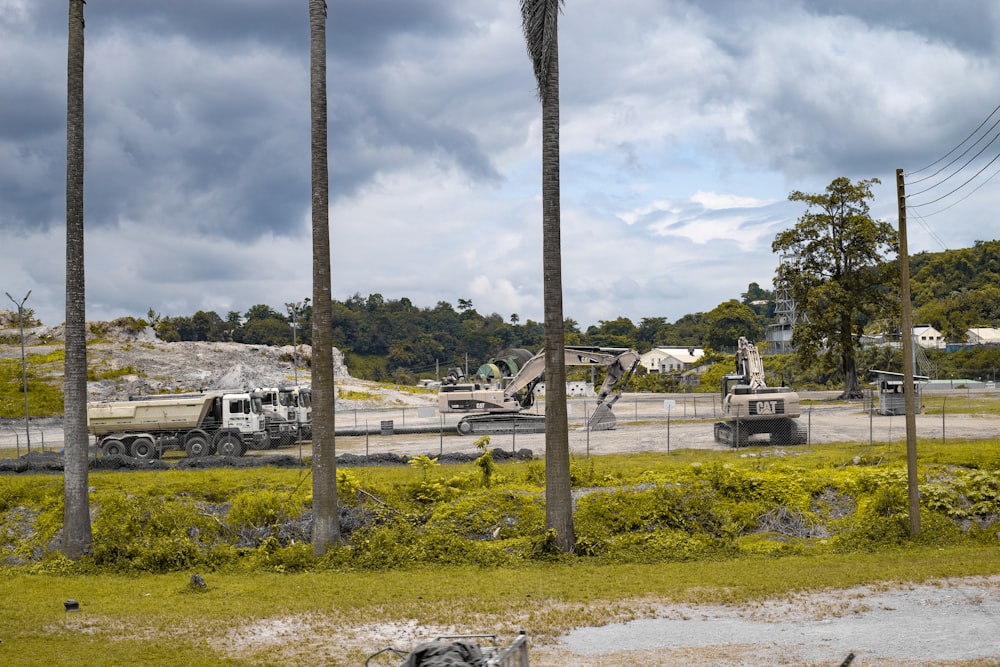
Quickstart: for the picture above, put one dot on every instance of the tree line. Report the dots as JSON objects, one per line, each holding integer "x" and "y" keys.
{"x": 397, "y": 340}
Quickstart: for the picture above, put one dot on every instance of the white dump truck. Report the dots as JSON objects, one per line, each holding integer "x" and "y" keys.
{"x": 201, "y": 424}
{"x": 288, "y": 413}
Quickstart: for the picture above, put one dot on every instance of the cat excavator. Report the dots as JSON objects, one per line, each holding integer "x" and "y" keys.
{"x": 752, "y": 408}
{"x": 502, "y": 389}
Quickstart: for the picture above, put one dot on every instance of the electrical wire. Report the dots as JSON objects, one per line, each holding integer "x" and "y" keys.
{"x": 948, "y": 194}
{"x": 957, "y": 158}
{"x": 945, "y": 156}
{"x": 969, "y": 194}
{"x": 927, "y": 228}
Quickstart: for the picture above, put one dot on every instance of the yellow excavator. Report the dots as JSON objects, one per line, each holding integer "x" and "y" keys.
{"x": 752, "y": 408}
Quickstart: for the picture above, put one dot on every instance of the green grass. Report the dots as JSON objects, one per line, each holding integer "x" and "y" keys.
{"x": 44, "y": 396}
{"x": 161, "y": 619}
{"x": 975, "y": 404}
{"x": 678, "y": 527}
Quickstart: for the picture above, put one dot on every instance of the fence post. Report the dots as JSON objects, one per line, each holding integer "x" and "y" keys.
{"x": 944, "y": 402}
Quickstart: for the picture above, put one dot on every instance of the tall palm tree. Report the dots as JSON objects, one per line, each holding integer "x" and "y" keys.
{"x": 541, "y": 34}
{"x": 326, "y": 521}
{"x": 77, "y": 535}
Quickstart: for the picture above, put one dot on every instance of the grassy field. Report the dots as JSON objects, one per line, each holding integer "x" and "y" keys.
{"x": 438, "y": 549}
{"x": 161, "y": 620}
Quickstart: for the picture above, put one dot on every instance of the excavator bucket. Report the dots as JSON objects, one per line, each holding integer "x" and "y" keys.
{"x": 603, "y": 418}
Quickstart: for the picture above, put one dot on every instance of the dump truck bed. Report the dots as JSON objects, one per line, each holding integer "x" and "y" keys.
{"x": 149, "y": 415}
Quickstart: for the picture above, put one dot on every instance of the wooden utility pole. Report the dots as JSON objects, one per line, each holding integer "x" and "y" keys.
{"x": 908, "y": 383}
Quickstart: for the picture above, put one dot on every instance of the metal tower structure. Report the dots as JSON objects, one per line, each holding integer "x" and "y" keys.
{"x": 779, "y": 334}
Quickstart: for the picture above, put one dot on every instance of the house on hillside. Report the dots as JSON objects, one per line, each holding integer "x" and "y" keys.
{"x": 928, "y": 337}
{"x": 671, "y": 359}
{"x": 983, "y": 336}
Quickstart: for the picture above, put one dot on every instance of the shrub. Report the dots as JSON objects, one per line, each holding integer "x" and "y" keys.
{"x": 151, "y": 534}
{"x": 490, "y": 515}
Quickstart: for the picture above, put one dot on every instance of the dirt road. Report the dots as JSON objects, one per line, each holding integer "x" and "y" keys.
{"x": 644, "y": 426}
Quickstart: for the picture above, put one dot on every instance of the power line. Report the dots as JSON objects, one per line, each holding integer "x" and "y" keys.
{"x": 927, "y": 228}
{"x": 969, "y": 180}
{"x": 957, "y": 158}
{"x": 945, "y": 156}
{"x": 969, "y": 194}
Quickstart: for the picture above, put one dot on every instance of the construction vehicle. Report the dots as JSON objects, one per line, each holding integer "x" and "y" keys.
{"x": 220, "y": 422}
{"x": 752, "y": 408}
{"x": 504, "y": 387}
{"x": 287, "y": 414}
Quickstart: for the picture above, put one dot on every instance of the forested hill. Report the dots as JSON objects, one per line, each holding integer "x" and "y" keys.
{"x": 954, "y": 290}
{"x": 394, "y": 339}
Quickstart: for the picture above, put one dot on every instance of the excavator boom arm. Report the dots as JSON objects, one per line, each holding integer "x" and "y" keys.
{"x": 748, "y": 363}
{"x": 620, "y": 365}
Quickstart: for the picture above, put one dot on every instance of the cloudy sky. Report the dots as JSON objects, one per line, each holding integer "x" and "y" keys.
{"x": 685, "y": 125}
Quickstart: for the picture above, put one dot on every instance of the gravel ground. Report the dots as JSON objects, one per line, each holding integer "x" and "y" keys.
{"x": 955, "y": 621}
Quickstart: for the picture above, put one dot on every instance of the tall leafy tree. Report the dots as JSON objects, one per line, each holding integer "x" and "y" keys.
{"x": 541, "y": 34}
{"x": 837, "y": 270}
{"x": 730, "y": 320}
{"x": 77, "y": 534}
{"x": 326, "y": 520}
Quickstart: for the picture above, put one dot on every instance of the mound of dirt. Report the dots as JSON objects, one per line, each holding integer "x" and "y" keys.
{"x": 129, "y": 361}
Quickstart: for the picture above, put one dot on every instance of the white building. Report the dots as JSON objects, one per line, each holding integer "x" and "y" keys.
{"x": 983, "y": 336}
{"x": 928, "y": 337}
{"x": 671, "y": 359}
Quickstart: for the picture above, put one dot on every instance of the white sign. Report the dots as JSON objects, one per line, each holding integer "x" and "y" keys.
{"x": 669, "y": 404}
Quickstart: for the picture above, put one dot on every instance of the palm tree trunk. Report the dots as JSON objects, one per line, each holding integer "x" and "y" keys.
{"x": 326, "y": 521}
{"x": 558, "y": 498}
{"x": 77, "y": 535}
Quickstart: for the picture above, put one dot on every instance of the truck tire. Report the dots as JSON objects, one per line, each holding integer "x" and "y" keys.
{"x": 114, "y": 447}
{"x": 143, "y": 448}
{"x": 196, "y": 444}
{"x": 230, "y": 444}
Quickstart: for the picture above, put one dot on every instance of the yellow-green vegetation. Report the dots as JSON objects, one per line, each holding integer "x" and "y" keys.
{"x": 106, "y": 371}
{"x": 99, "y": 331}
{"x": 453, "y": 546}
{"x": 641, "y": 508}
{"x": 44, "y": 396}
{"x": 408, "y": 389}
{"x": 351, "y": 395}
{"x": 44, "y": 372}
{"x": 974, "y": 404}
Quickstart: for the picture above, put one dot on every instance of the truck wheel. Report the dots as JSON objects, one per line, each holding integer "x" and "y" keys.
{"x": 114, "y": 447}
{"x": 464, "y": 427}
{"x": 143, "y": 448}
{"x": 196, "y": 445}
{"x": 229, "y": 445}
{"x": 260, "y": 443}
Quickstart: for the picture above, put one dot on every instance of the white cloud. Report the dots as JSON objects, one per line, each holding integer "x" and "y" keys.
{"x": 684, "y": 126}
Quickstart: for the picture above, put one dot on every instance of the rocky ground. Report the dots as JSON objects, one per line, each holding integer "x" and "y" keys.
{"x": 130, "y": 362}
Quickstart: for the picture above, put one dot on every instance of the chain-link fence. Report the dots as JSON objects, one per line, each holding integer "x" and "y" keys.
{"x": 645, "y": 422}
